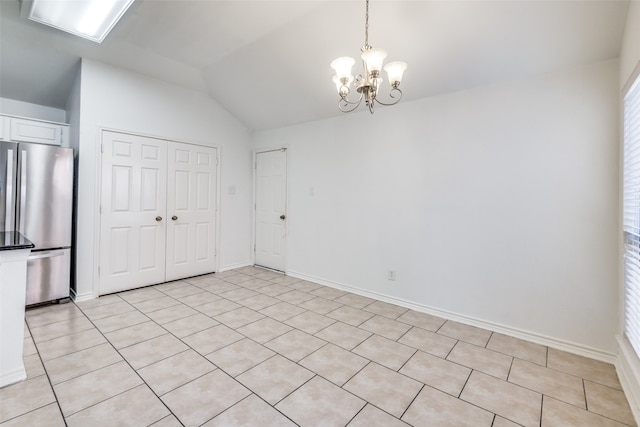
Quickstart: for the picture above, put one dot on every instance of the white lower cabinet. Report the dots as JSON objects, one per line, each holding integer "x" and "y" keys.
{"x": 158, "y": 211}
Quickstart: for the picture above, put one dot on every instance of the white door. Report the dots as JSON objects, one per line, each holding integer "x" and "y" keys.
{"x": 133, "y": 205}
{"x": 271, "y": 206}
{"x": 191, "y": 210}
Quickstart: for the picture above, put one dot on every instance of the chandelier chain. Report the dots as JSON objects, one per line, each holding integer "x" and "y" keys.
{"x": 366, "y": 26}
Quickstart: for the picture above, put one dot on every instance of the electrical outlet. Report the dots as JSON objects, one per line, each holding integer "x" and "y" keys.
{"x": 391, "y": 275}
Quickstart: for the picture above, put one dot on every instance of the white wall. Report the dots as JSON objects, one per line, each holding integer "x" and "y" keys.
{"x": 118, "y": 99}
{"x": 497, "y": 204}
{"x": 630, "y": 50}
{"x": 34, "y": 111}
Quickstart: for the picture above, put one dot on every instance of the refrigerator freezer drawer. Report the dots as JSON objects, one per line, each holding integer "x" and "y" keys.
{"x": 48, "y": 275}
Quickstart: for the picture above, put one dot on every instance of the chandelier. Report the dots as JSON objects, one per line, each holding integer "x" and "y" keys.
{"x": 367, "y": 84}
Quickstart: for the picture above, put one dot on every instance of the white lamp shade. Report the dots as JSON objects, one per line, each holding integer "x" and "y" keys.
{"x": 343, "y": 66}
{"x": 374, "y": 58}
{"x": 395, "y": 70}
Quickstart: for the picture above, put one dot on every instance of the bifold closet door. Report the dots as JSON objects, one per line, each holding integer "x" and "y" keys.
{"x": 191, "y": 210}
{"x": 133, "y": 205}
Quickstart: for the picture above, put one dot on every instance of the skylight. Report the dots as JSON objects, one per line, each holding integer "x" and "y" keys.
{"x": 91, "y": 19}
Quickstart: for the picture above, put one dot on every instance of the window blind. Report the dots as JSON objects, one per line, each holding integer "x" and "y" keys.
{"x": 631, "y": 215}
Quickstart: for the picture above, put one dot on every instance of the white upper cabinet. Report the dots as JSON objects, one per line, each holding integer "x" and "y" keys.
{"x": 30, "y": 130}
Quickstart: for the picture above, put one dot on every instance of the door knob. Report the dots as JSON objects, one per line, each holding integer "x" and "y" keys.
{"x": 282, "y": 217}
{"x": 158, "y": 218}
{"x": 174, "y": 218}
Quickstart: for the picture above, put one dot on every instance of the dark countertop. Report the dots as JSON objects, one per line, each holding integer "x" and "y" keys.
{"x": 12, "y": 240}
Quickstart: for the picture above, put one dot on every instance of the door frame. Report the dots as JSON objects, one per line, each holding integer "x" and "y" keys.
{"x": 254, "y": 169}
{"x": 98, "y": 197}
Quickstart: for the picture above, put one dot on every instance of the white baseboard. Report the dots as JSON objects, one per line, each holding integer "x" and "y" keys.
{"x": 628, "y": 368}
{"x": 81, "y": 297}
{"x": 234, "y": 266}
{"x": 563, "y": 345}
{"x": 13, "y": 376}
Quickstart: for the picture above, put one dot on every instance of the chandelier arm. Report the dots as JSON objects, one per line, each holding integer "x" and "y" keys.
{"x": 344, "y": 103}
{"x": 391, "y": 95}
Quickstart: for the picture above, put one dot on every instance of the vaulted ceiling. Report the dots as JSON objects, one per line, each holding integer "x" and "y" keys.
{"x": 267, "y": 62}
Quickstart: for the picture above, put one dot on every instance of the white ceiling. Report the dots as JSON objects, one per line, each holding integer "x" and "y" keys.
{"x": 268, "y": 61}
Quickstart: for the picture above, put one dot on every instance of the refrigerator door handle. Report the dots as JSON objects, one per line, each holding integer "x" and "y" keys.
{"x": 8, "y": 219}
{"x": 23, "y": 189}
{"x": 46, "y": 254}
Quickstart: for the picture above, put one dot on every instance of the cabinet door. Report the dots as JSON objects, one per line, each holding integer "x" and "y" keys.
{"x": 133, "y": 205}
{"x": 191, "y": 210}
{"x": 25, "y": 130}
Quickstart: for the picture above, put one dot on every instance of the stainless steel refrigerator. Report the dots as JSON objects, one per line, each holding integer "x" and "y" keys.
{"x": 36, "y": 197}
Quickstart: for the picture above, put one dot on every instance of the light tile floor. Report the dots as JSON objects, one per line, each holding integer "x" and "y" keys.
{"x": 250, "y": 347}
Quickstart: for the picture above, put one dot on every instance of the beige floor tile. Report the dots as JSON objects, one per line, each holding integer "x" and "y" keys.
{"x": 84, "y": 391}
{"x": 170, "y": 421}
{"x": 608, "y": 402}
{"x": 33, "y": 365}
{"x": 256, "y": 284}
{"x": 200, "y": 400}
{"x": 134, "y": 334}
{"x": 155, "y": 304}
{"x": 190, "y": 325}
{"x": 466, "y": 333}
{"x": 556, "y": 413}
{"x": 269, "y": 275}
{"x": 239, "y": 317}
{"x": 23, "y": 397}
{"x": 238, "y": 294}
{"x": 344, "y": 335}
{"x": 108, "y": 310}
{"x": 81, "y": 362}
{"x": 252, "y": 411}
{"x": 355, "y": 301}
{"x": 334, "y": 363}
{"x": 319, "y": 402}
{"x": 224, "y": 275}
{"x": 328, "y": 292}
{"x": 310, "y": 322}
{"x": 370, "y": 416}
{"x": 218, "y": 307}
{"x": 239, "y": 278}
{"x": 170, "y": 314}
{"x": 212, "y": 339}
{"x": 304, "y": 286}
{"x": 295, "y": 344}
{"x": 48, "y": 416}
{"x": 422, "y": 320}
{"x": 436, "y": 372}
{"x": 503, "y": 422}
{"x": 275, "y": 378}
{"x": 103, "y": 300}
{"x": 240, "y": 356}
{"x": 264, "y": 330}
{"x": 70, "y": 344}
{"x": 429, "y": 342}
{"x": 521, "y": 349}
{"x": 385, "y": 309}
{"x": 350, "y": 315}
{"x": 175, "y": 371}
{"x": 217, "y": 286}
{"x": 385, "y": 352}
{"x": 120, "y": 321}
{"x": 59, "y": 329}
{"x": 583, "y": 367}
{"x": 549, "y": 382}
{"x": 388, "y": 328}
{"x": 258, "y": 302}
{"x": 136, "y": 407}
{"x": 171, "y": 285}
{"x": 435, "y": 408}
{"x": 384, "y": 388}
{"x": 41, "y": 318}
{"x": 150, "y": 351}
{"x": 183, "y": 291}
{"x": 508, "y": 400}
{"x": 140, "y": 295}
{"x": 282, "y": 311}
{"x": 320, "y": 305}
{"x": 273, "y": 289}
{"x": 478, "y": 358}
{"x": 28, "y": 347}
{"x": 195, "y": 300}
{"x": 284, "y": 280}
{"x": 295, "y": 297}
